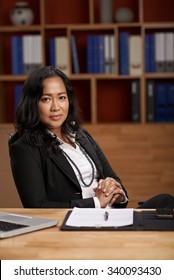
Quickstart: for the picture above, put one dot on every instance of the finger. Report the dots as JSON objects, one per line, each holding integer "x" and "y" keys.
{"x": 100, "y": 184}
{"x": 118, "y": 184}
{"x": 108, "y": 183}
{"x": 113, "y": 199}
{"x": 114, "y": 190}
{"x": 111, "y": 190}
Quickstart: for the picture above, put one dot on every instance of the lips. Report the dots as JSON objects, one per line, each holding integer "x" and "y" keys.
{"x": 55, "y": 117}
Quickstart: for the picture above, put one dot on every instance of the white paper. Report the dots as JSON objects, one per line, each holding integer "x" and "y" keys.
{"x": 95, "y": 217}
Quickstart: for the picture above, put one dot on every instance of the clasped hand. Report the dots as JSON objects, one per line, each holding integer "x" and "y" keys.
{"x": 109, "y": 191}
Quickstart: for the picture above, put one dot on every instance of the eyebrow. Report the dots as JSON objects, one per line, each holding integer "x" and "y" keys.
{"x": 59, "y": 93}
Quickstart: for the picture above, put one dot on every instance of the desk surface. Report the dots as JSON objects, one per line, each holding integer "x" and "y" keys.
{"x": 53, "y": 243}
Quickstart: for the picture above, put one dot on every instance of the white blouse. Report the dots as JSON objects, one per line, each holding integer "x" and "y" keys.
{"x": 85, "y": 169}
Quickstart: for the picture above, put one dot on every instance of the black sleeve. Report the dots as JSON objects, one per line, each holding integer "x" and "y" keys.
{"x": 106, "y": 167}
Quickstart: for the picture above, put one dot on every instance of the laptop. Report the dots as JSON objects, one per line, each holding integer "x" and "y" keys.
{"x": 12, "y": 224}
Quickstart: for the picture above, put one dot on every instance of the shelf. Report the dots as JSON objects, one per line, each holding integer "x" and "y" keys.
{"x": 103, "y": 97}
{"x": 12, "y": 78}
{"x": 15, "y": 29}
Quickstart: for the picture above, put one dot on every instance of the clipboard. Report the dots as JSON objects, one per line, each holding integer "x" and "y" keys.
{"x": 142, "y": 221}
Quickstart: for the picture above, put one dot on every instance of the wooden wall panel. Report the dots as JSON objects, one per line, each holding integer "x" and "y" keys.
{"x": 142, "y": 155}
{"x": 8, "y": 193}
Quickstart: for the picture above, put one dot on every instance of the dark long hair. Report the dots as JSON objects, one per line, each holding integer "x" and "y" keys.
{"x": 27, "y": 123}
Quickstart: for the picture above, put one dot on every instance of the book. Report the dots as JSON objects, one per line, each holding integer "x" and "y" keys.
{"x": 160, "y": 52}
{"x": 62, "y": 54}
{"x": 74, "y": 52}
{"x": 135, "y": 100}
{"x": 135, "y": 55}
{"x": 169, "y": 52}
{"x": 124, "y": 53}
{"x": 150, "y": 101}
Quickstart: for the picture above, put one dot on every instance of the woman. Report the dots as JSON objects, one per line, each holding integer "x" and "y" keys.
{"x": 55, "y": 162}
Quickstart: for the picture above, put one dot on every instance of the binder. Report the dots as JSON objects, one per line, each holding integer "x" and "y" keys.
{"x": 62, "y": 54}
{"x": 107, "y": 53}
{"x": 90, "y": 54}
{"x": 135, "y": 55}
{"x": 160, "y": 51}
{"x": 150, "y": 101}
{"x": 152, "y": 53}
{"x": 27, "y": 53}
{"x": 75, "y": 58}
{"x": 14, "y": 54}
{"x": 170, "y": 100}
{"x": 143, "y": 221}
{"x": 52, "y": 58}
{"x": 112, "y": 53}
{"x": 169, "y": 52}
{"x": 147, "y": 53}
{"x": 135, "y": 100}
{"x": 100, "y": 54}
{"x": 161, "y": 100}
{"x": 124, "y": 53}
{"x": 37, "y": 51}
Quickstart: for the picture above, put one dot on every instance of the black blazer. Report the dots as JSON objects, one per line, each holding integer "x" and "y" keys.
{"x": 50, "y": 182}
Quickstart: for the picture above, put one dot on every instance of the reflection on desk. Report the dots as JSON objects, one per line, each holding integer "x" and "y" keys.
{"x": 52, "y": 243}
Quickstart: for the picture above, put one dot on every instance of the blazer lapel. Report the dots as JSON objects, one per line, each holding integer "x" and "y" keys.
{"x": 89, "y": 148}
{"x": 61, "y": 161}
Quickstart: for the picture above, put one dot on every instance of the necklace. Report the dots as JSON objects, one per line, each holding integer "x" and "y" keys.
{"x": 78, "y": 170}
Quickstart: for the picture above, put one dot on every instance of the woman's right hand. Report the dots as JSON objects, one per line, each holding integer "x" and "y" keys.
{"x": 108, "y": 192}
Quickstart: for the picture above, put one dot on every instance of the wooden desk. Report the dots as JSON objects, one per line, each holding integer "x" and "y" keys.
{"x": 53, "y": 243}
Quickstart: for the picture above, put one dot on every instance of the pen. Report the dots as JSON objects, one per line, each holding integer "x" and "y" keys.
{"x": 106, "y": 216}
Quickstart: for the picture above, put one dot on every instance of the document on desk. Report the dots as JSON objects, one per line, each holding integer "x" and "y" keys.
{"x": 100, "y": 217}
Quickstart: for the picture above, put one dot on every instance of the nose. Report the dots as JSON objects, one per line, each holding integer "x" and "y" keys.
{"x": 55, "y": 106}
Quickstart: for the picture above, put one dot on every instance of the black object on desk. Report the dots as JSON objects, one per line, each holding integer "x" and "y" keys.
{"x": 143, "y": 221}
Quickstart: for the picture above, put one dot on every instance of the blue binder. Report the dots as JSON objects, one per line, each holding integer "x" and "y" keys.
{"x": 124, "y": 53}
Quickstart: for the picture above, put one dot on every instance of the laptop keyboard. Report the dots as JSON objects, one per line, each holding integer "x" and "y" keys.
{"x": 6, "y": 226}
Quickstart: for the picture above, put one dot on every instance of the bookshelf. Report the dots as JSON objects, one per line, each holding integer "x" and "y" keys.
{"x": 103, "y": 97}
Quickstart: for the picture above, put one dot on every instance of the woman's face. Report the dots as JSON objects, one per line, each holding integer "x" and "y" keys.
{"x": 53, "y": 105}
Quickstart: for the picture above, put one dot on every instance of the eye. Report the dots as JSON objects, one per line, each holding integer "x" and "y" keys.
{"x": 62, "y": 97}
{"x": 45, "y": 99}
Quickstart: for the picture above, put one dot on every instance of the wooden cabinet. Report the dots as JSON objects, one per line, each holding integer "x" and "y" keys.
{"x": 103, "y": 97}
